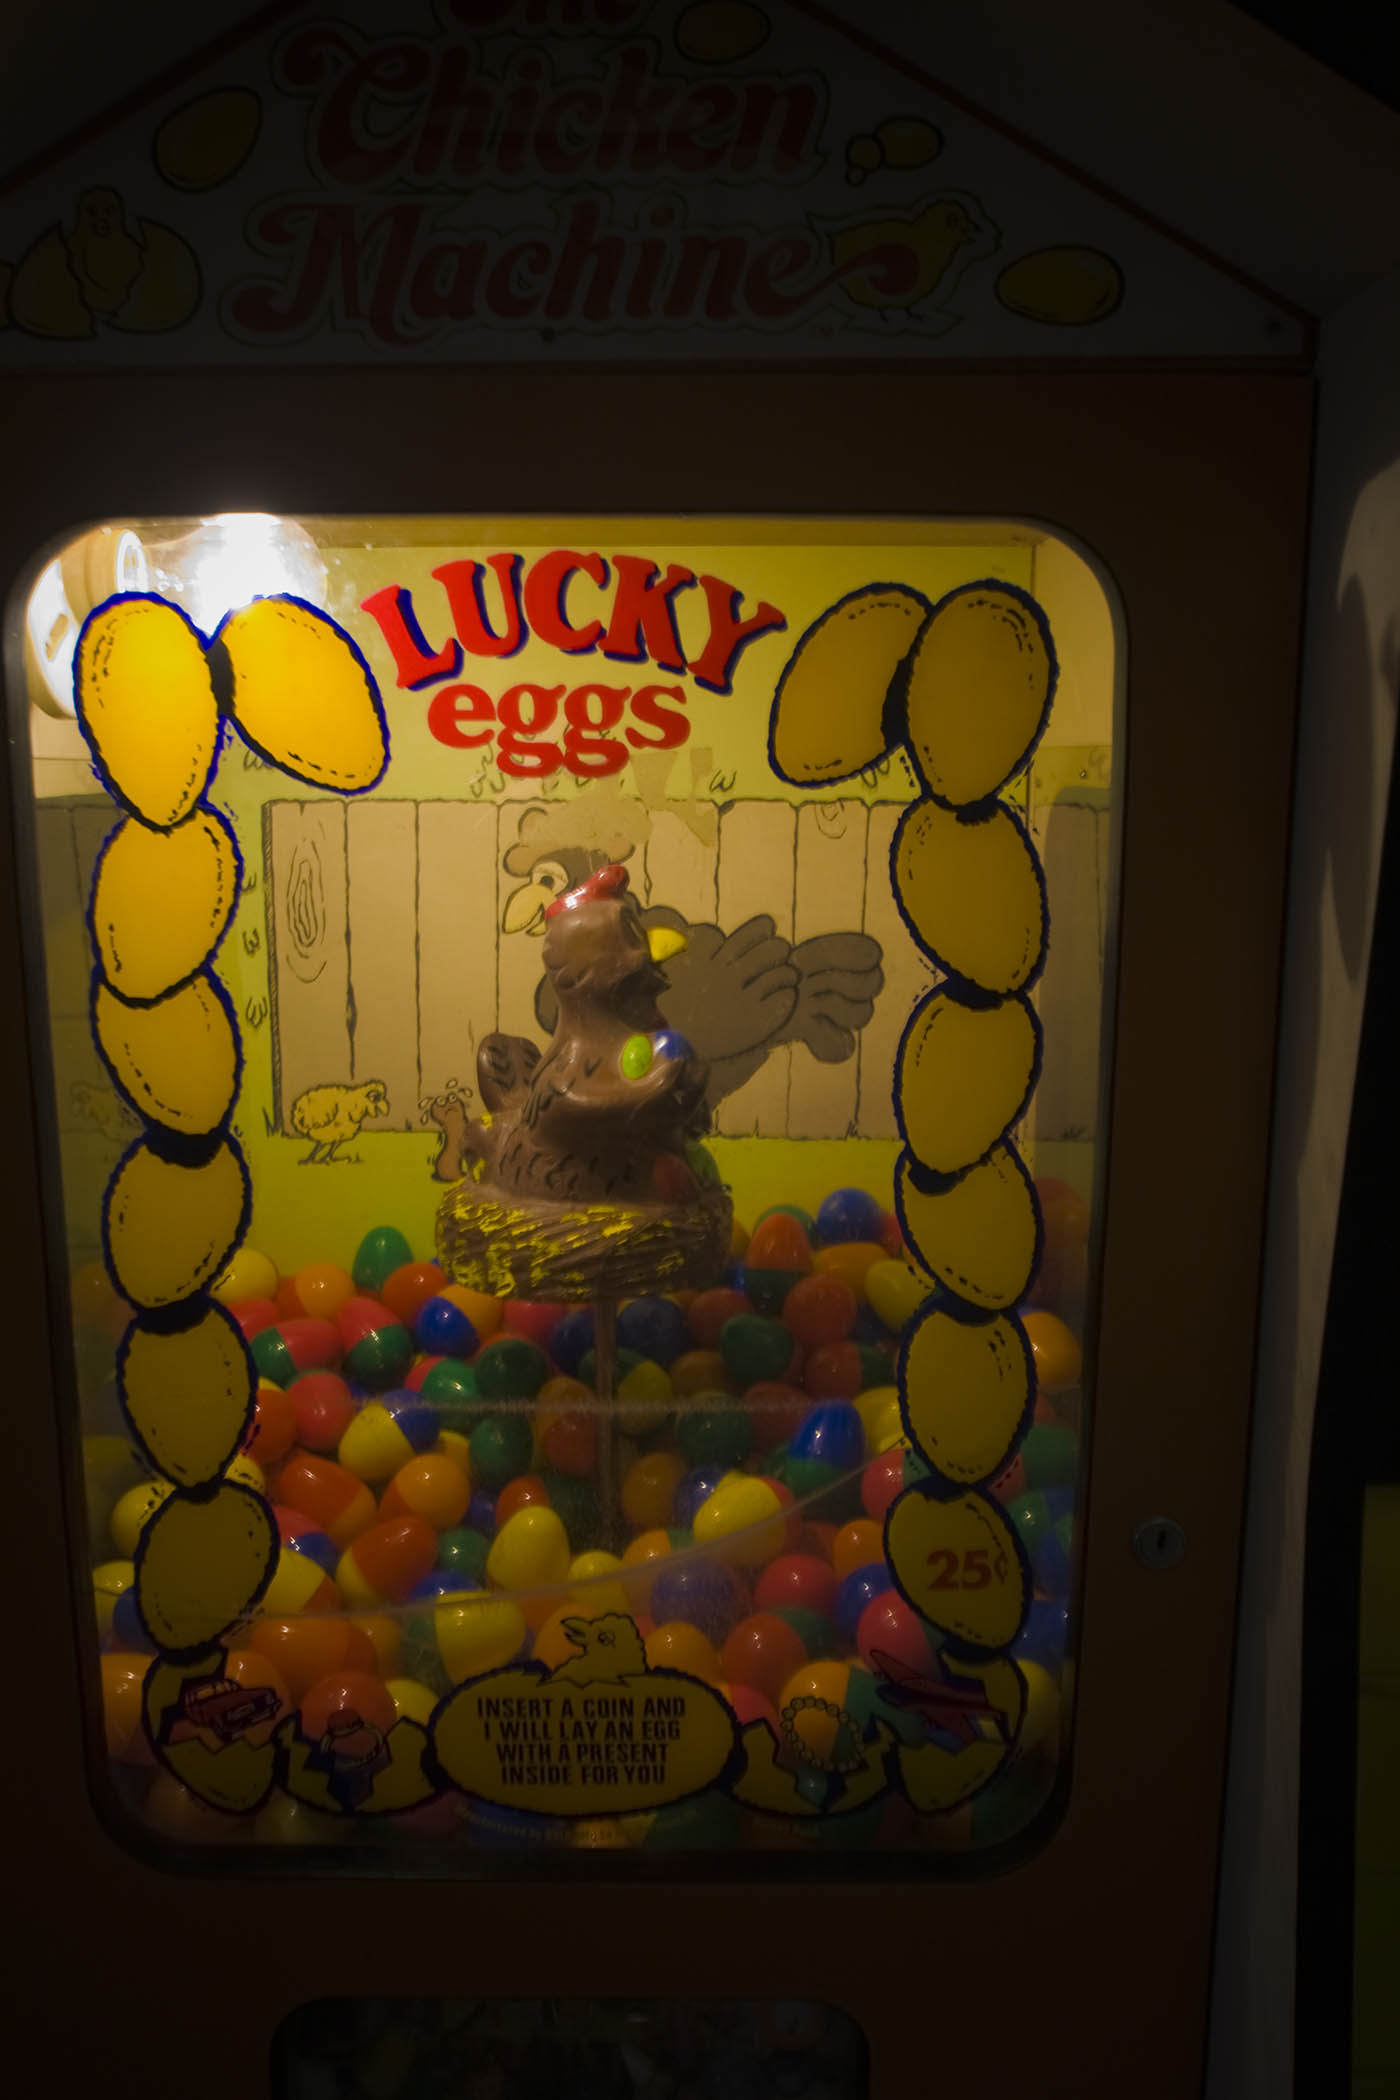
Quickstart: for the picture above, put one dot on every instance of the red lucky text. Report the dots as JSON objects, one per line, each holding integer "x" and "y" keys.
{"x": 497, "y": 605}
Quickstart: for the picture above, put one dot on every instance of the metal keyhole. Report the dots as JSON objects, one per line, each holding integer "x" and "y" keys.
{"x": 1159, "y": 1542}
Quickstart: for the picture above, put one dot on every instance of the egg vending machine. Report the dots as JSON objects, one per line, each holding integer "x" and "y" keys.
{"x": 601, "y": 1084}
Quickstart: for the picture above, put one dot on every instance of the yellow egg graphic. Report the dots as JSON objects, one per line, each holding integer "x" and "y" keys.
{"x": 171, "y": 1228}
{"x": 1066, "y": 287}
{"x": 908, "y": 142}
{"x": 233, "y": 1776}
{"x": 209, "y": 139}
{"x": 203, "y": 1564}
{"x": 967, "y": 1390}
{"x": 303, "y": 696}
{"x": 964, "y": 1076}
{"x": 176, "y": 1061}
{"x": 147, "y": 707}
{"x": 958, "y": 1564}
{"x": 973, "y": 894}
{"x": 161, "y": 902}
{"x": 716, "y": 32}
{"x": 935, "y": 1778}
{"x": 187, "y": 1395}
{"x": 829, "y": 710}
{"x": 978, "y": 1235}
{"x": 980, "y": 681}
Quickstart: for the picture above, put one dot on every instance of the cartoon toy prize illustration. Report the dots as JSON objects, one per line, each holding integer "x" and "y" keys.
{"x": 667, "y": 1429}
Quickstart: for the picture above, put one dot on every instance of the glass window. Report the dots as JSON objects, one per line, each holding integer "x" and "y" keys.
{"x": 574, "y": 1052}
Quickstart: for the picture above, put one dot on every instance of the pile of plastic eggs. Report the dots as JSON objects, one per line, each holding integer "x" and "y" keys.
{"x": 435, "y": 1462}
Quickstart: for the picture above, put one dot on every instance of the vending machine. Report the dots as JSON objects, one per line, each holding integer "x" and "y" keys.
{"x": 643, "y": 1007}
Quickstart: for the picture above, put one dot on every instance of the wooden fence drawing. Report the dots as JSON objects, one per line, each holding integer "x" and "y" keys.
{"x": 389, "y": 961}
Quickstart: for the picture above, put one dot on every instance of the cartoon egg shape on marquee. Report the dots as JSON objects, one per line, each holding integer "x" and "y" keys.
{"x": 202, "y": 1564}
{"x": 973, "y": 895}
{"x": 170, "y": 1227}
{"x": 979, "y": 1235}
{"x": 829, "y": 712}
{"x": 147, "y": 707}
{"x": 967, "y": 1394}
{"x": 303, "y": 696}
{"x": 188, "y": 1395}
{"x": 964, "y": 1075}
{"x": 961, "y": 1566}
{"x": 176, "y": 1061}
{"x": 193, "y": 871}
{"x": 978, "y": 693}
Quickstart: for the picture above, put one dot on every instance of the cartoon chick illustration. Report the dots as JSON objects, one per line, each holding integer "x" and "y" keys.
{"x": 331, "y": 1116}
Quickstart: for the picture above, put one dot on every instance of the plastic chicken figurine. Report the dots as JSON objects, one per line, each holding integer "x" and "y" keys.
{"x": 586, "y": 1175}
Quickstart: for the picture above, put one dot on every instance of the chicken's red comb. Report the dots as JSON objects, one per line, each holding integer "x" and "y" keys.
{"x": 607, "y": 882}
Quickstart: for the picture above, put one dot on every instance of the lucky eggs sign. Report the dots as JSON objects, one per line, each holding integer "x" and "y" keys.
{"x": 621, "y": 607}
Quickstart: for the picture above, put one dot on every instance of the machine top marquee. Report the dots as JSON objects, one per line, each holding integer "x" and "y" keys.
{"x": 443, "y": 181}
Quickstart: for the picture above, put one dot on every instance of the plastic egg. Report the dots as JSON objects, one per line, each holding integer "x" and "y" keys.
{"x": 386, "y": 1433}
{"x": 568, "y": 1436}
{"x": 432, "y": 1487}
{"x": 881, "y": 1481}
{"x": 412, "y": 1701}
{"x": 346, "y": 1697}
{"x": 755, "y": 1348}
{"x": 778, "y": 1253}
{"x": 718, "y": 1435}
{"x": 797, "y": 1580}
{"x": 332, "y": 1497}
{"x": 572, "y": 1339}
{"x": 322, "y": 1408}
{"x": 699, "y": 1590}
{"x": 477, "y": 1632}
{"x": 526, "y": 1488}
{"x": 813, "y": 1705}
{"x": 762, "y": 1652}
{"x": 649, "y": 1489}
{"x": 299, "y": 1584}
{"x": 386, "y": 1561}
{"x": 851, "y": 1260}
{"x": 896, "y": 1292}
{"x": 321, "y": 1288}
{"x": 378, "y": 1348}
{"x": 385, "y": 1634}
{"x": 709, "y": 1310}
{"x": 510, "y": 1368}
{"x": 462, "y": 1553}
{"x": 379, "y": 1253}
{"x": 856, "y": 1591}
{"x": 889, "y": 1626}
{"x": 635, "y": 1059}
{"x": 133, "y": 1513}
{"x": 408, "y": 1288}
{"x": 273, "y": 1429}
{"x": 500, "y": 1448}
{"x": 775, "y": 1409}
{"x": 1049, "y": 1456}
{"x": 300, "y": 1535}
{"x": 285, "y": 1351}
{"x": 1059, "y": 1360}
{"x": 699, "y": 1371}
{"x": 109, "y": 1581}
{"x": 820, "y": 1309}
{"x": 744, "y": 1520}
{"x": 592, "y": 1570}
{"x": 654, "y": 1327}
{"x": 443, "y": 1329}
{"x": 530, "y": 1551}
{"x": 248, "y": 1275}
{"x": 304, "y": 1649}
{"x": 677, "y": 1645}
{"x": 856, "y": 1545}
{"x": 123, "y": 1724}
{"x": 532, "y": 1320}
{"x": 832, "y": 1433}
{"x": 833, "y": 1371}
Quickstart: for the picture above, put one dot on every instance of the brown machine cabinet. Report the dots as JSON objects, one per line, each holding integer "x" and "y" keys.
{"x": 1083, "y": 1963}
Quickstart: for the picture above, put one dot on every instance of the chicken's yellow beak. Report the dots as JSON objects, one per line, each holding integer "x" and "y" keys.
{"x": 524, "y": 912}
{"x": 664, "y": 942}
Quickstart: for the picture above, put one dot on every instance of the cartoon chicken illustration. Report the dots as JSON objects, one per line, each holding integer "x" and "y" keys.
{"x": 735, "y": 996}
{"x": 331, "y": 1116}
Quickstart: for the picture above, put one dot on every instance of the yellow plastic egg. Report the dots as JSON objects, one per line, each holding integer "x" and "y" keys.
{"x": 248, "y": 1275}
{"x": 1042, "y": 1708}
{"x": 895, "y": 1292}
{"x": 743, "y": 1519}
{"x": 134, "y": 1512}
{"x": 477, "y": 1632}
{"x": 589, "y": 1568}
{"x": 868, "y": 1406}
{"x": 1059, "y": 1360}
{"x": 530, "y": 1551}
{"x": 412, "y": 1701}
{"x": 452, "y": 1444}
{"x": 649, "y": 1489}
{"x": 108, "y": 1582}
{"x": 643, "y": 1398}
{"x": 851, "y": 1260}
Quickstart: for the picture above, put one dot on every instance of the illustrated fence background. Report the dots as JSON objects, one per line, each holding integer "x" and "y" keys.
{"x": 388, "y": 960}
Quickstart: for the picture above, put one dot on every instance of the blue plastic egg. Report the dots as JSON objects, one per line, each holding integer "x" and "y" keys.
{"x": 670, "y": 1044}
{"x": 849, "y": 1214}
{"x": 655, "y": 1328}
{"x": 481, "y": 1514}
{"x": 443, "y": 1329}
{"x": 702, "y": 1592}
{"x": 832, "y": 1433}
{"x": 572, "y": 1340}
{"x": 856, "y": 1591}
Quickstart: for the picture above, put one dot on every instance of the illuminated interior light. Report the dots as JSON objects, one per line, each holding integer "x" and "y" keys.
{"x": 89, "y": 571}
{"x": 228, "y": 561}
